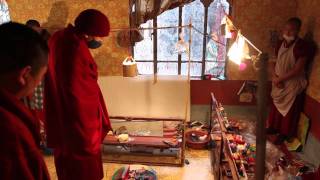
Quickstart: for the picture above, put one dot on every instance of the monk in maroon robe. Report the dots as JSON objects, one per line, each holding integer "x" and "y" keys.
{"x": 24, "y": 58}
{"x": 76, "y": 115}
{"x": 289, "y": 82}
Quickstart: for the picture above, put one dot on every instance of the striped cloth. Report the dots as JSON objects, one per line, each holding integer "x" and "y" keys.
{"x": 36, "y": 101}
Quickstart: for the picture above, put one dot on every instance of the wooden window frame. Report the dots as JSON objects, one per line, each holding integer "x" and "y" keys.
{"x": 203, "y": 61}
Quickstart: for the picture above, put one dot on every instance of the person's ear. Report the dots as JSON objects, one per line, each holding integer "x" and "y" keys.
{"x": 24, "y": 74}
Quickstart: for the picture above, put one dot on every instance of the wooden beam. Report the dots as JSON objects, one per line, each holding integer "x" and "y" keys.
{"x": 206, "y": 3}
{"x": 179, "y": 32}
{"x": 131, "y": 44}
{"x": 148, "y": 141}
{"x": 262, "y": 116}
{"x": 180, "y": 164}
{"x": 204, "y": 46}
{"x": 155, "y": 46}
{"x": 143, "y": 118}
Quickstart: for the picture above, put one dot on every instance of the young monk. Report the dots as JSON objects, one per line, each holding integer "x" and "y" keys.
{"x": 23, "y": 63}
{"x": 76, "y": 116}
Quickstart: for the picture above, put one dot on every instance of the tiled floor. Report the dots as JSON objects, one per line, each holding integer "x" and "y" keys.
{"x": 198, "y": 169}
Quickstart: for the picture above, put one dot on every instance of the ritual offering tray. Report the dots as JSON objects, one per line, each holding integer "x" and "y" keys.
{"x": 135, "y": 172}
{"x": 197, "y": 139}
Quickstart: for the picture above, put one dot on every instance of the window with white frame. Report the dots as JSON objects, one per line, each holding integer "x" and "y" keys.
{"x": 157, "y": 51}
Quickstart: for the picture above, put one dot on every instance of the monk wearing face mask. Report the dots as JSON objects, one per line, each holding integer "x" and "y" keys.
{"x": 289, "y": 82}
{"x": 76, "y": 115}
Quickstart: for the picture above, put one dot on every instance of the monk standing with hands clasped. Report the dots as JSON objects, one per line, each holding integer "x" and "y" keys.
{"x": 289, "y": 82}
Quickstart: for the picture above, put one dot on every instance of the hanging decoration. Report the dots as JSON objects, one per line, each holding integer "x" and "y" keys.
{"x": 182, "y": 46}
{"x": 239, "y": 50}
{"x": 126, "y": 38}
{"x": 256, "y": 63}
{"x": 129, "y": 67}
{"x": 227, "y": 28}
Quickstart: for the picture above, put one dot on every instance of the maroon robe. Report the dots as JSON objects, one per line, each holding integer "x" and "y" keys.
{"x": 76, "y": 115}
{"x": 287, "y": 125}
{"x": 20, "y": 156}
{"x": 312, "y": 176}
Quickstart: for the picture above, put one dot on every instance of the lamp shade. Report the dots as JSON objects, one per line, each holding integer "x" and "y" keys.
{"x": 239, "y": 50}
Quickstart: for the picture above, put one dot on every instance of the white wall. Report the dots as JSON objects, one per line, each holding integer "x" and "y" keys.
{"x": 141, "y": 97}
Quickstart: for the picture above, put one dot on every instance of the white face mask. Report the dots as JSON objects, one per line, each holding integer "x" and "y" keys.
{"x": 288, "y": 38}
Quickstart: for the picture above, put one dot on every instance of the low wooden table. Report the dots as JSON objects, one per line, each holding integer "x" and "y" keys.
{"x": 149, "y": 150}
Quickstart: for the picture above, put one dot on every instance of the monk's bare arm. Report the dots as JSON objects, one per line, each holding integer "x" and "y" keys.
{"x": 297, "y": 70}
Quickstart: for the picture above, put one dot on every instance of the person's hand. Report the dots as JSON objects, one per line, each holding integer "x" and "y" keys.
{"x": 274, "y": 77}
{"x": 277, "y": 82}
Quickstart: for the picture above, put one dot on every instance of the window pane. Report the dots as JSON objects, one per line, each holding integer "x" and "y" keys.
{"x": 4, "y": 12}
{"x": 216, "y": 51}
{"x": 215, "y": 68}
{"x": 143, "y": 50}
{"x": 168, "y": 38}
{"x": 216, "y": 13}
{"x": 195, "y": 69}
{"x": 195, "y": 12}
{"x": 145, "y": 67}
{"x": 212, "y": 51}
{"x": 167, "y": 68}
